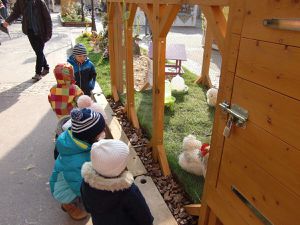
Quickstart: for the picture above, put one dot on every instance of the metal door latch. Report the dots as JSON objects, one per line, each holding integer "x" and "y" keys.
{"x": 238, "y": 115}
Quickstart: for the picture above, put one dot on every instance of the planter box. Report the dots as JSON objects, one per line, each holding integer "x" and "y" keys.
{"x": 74, "y": 24}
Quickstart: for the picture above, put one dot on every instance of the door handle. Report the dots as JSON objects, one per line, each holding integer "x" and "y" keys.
{"x": 292, "y": 24}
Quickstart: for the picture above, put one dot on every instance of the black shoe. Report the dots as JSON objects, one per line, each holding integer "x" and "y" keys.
{"x": 44, "y": 72}
{"x": 37, "y": 77}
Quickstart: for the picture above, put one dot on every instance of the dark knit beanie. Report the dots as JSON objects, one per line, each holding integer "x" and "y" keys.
{"x": 79, "y": 49}
{"x": 86, "y": 124}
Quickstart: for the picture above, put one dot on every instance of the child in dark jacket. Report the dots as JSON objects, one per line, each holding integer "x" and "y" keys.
{"x": 108, "y": 191}
{"x": 84, "y": 69}
{"x": 74, "y": 147}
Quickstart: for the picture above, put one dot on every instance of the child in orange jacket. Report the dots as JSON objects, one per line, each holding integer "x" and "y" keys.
{"x": 63, "y": 96}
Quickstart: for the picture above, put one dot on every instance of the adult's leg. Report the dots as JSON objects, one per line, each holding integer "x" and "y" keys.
{"x": 38, "y": 46}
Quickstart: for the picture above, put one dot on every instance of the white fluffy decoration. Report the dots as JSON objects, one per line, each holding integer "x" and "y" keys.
{"x": 211, "y": 96}
{"x": 177, "y": 83}
{"x": 191, "y": 159}
{"x": 84, "y": 101}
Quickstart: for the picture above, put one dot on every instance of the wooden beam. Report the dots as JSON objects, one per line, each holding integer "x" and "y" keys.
{"x": 217, "y": 22}
{"x": 111, "y": 48}
{"x": 204, "y": 76}
{"x": 148, "y": 11}
{"x": 163, "y": 161}
{"x": 131, "y": 114}
{"x": 167, "y": 19}
{"x": 193, "y": 209}
{"x": 180, "y": 2}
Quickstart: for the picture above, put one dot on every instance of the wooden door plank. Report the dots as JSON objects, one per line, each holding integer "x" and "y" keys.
{"x": 224, "y": 210}
{"x": 274, "y": 112}
{"x": 274, "y": 66}
{"x": 257, "y": 11}
{"x": 272, "y": 151}
{"x": 261, "y": 189}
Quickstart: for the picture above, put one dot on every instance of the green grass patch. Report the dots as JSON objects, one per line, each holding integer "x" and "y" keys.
{"x": 192, "y": 115}
{"x": 102, "y": 66}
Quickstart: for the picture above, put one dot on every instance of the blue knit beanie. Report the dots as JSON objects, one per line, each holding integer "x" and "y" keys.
{"x": 86, "y": 124}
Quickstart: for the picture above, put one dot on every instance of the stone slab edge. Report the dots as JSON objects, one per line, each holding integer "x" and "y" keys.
{"x": 160, "y": 211}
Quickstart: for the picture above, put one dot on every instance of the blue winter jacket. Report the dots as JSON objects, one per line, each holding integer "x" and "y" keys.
{"x": 85, "y": 74}
{"x": 66, "y": 179}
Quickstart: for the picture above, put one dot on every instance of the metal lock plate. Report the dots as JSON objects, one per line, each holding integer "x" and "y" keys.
{"x": 239, "y": 115}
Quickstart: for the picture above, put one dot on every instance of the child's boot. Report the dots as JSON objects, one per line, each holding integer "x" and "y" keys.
{"x": 74, "y": 212}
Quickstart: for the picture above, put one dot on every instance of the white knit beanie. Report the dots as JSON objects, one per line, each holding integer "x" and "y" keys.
{"x": 109, "y": 157}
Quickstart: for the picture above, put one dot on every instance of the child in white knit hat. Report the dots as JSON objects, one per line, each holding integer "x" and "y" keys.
{"x": 108, "y": 191}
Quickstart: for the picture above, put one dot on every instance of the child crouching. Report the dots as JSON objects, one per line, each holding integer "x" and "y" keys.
{"x": 108, "y": 191}
{"x": 74, "y": 147}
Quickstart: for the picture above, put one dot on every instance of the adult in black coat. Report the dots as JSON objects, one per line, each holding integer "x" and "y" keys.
{"x": 37, "y": 25}
{"x": 108, "y": 192}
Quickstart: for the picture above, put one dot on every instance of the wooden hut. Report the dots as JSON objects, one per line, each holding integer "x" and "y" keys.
{"x": 253, "y": 174}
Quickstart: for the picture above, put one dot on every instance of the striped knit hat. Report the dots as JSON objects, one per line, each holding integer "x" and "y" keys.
{"x": 79, "y": 49}
{"x": 86, "y": 124}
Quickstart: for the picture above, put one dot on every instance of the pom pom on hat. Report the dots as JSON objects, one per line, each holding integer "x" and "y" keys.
{"x": 86, "y": 124}
{"x": 109, "y": 157}
{"x": 79, "y": 49}
{"x": 84, "y": 101}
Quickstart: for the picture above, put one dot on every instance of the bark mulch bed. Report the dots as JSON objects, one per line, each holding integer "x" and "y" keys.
{"x": 172, "y": 192}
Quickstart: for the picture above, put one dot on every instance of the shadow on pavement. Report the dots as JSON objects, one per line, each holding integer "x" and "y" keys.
{"x": 24, "y": 173}
{"x": 11, "y": 96}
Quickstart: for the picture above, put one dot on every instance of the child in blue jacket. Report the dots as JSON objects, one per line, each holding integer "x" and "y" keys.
{"x": 84, "y": 69}
{"x": 74, "y": 146}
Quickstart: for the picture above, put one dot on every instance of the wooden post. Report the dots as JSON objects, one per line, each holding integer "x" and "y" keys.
{"x": 217, "y": 23}
{"x": 204, "y": 77}
{"x": 131, "y": 114}
{"x": 166, "y": 15}
{"x": 111, "y": 46}
{"x": 119, "y": 48}
{"x": 158, "y": 89}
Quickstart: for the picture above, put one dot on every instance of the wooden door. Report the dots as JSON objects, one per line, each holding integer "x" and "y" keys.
{"x": 254, "y": 175}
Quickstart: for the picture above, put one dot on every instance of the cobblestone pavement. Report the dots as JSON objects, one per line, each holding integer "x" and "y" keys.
{"x": 27, "y": 126}
{"x": 25, "y": 88}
